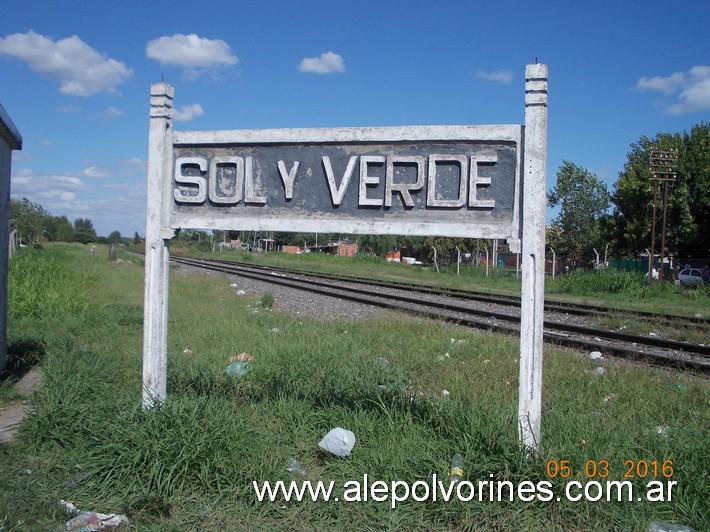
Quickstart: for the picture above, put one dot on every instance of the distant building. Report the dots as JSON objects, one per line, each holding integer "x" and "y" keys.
{"x": 10, "y": 140}
{"x": 342, "y": 249}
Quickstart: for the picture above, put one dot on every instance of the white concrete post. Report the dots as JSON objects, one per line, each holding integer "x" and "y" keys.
{"x": 157, "y": 252}
{"x": 487, "y": 260}
{"x": 533, "y": 283}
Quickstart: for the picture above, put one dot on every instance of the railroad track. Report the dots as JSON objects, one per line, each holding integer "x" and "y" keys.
{"x": 454, "y": 306}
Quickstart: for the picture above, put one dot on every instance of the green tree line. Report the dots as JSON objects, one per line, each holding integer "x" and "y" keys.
{"x": 592, "y": 217}
{"x": 33, "y": 223}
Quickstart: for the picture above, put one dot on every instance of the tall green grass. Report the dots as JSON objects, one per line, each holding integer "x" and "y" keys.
{"x": 190, "y": 463}
{"x": 42, "y": 285}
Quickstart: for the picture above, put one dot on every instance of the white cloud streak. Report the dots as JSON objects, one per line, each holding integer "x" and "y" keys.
{"x": 327, "y": 63}
{"x": 187, "y": 113}
{"x": 191, "y": 52}
{"x": 692, "y": 89}
{"x": 80, "y": 70}
{"x": 497, "y": 76}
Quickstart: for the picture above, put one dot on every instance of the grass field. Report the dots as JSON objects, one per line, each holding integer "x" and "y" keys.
{"x": 190, "y": 464}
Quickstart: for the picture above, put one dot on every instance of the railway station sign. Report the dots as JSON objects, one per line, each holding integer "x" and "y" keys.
{"x": 448, "y": 181}
{"x": 457, "y": 181}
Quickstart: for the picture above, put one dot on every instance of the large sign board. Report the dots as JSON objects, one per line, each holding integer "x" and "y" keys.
{"x": 448, "y": 181}
{"x": 459, "y": 181}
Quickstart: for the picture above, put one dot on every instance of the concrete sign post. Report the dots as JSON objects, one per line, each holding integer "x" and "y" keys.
{"x": 533, "y": 285}
{"x": 455, "y": 181}
{"x": 157, "y": 249}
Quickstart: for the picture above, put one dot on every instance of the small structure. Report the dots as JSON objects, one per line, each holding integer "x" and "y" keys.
{"x": 266, "y": 244}
{"x": 10, "y": 140}
{"x": 394, "y": 256}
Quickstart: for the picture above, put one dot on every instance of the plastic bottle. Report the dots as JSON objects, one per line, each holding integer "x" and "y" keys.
{"x": 239, "y": 369}
{"x": 294, "y": 467}
{"x": 456, "y": 472}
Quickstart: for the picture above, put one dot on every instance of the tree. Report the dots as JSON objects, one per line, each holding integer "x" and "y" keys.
{"x": 27, "y": 218}
{"x": 84, "y": 231}
{"x": 377, "y": 244}
{"x": 583, "y": 200}
{"x": 688, "y": 199}
{"x": 694, "y": 173}
{"x": 60, "y": 229}
{"x": 114, "y": 237}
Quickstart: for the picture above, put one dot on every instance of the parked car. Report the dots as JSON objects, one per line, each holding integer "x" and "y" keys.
{"x": 691, "y": 277}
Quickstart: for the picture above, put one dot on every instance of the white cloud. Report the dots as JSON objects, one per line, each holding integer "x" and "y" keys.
{"x": 187, "y": 113}
{"x": 94, "y": 172}
{"x": 497, "y": 76}
{"x": 191, "y": 52}
{"x": 692, "y": 89}
{"x": 327, "y": 63}
{"x": 113, "y": 112}
{"x": 81, "y": 70}
{"x": 109, "y": 203}
{"x": 68, "y": 109}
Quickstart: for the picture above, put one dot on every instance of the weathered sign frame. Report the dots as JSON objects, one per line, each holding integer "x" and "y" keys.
{"x": 177, "y": 197}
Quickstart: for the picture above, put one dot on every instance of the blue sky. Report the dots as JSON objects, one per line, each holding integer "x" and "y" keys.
{"x": 75, "y": 79}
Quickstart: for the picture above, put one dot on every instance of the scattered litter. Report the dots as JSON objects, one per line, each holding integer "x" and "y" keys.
{"x": 677, "y": 387}
{"x": 595, "y": 355}
{"x": 486, "y": 361}
{"x": 456, "y": 471}
{"x": 188, "y": 352}
{"x": 275, "y": 330}
{"x": 241, "y": 293}
{"x": 698, "y": 315}
{"x": 659, "y": 526}
{"x": 294, "y": 467}
{"x": 86, "y": 521}
{"x": 663, "y": 430}
{"x": 233, "y": 285}
{"x": 445, "y": 393}
{"x": 241, "y": 357}
{"x": 443, "y": 357}
{"x": 338, "y": 441}
{"x": 652, "y": 334}
{"x": 599, "y": 371}
{"x": 609, "y": 397}
{"x": 239, "y": 368}
{"x": 382, "y": 361}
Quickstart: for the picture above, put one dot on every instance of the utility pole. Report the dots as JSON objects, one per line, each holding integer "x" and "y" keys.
{"x": 663, "y": 169}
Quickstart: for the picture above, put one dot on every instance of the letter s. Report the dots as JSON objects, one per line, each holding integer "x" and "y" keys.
{"x": 181, "y": 193}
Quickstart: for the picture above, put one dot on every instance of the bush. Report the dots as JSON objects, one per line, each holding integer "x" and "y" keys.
{"x": 267, "y": 300}
{"x": 587, "y": 282}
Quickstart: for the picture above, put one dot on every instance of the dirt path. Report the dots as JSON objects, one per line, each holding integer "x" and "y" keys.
{"x": 12, "y": 414}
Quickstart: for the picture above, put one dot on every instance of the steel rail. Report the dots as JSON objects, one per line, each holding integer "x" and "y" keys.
{"x": 576, "y": 309}
{"x": 693, "y": 356}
